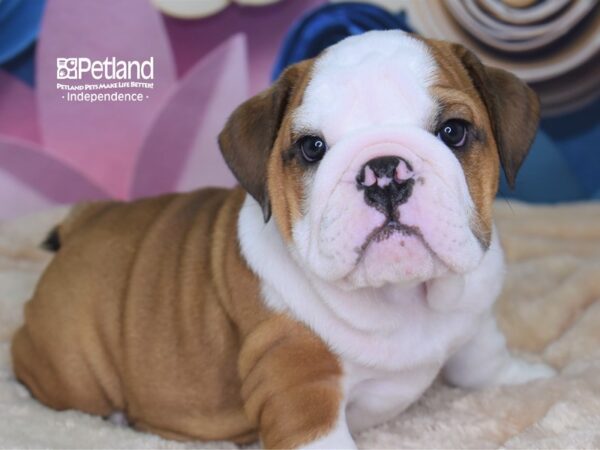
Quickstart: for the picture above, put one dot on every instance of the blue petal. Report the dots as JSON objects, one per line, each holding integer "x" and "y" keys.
{"x": 19, "y": 26}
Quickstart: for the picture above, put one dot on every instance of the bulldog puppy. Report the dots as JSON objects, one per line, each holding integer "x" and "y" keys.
{"x": 357, "y": 260}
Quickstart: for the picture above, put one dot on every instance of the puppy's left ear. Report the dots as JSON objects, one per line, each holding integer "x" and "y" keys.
{"x": 247, "y": 140}
{"x": 513, "y": 107}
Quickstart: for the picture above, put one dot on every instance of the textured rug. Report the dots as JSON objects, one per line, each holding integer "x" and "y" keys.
{"x": 550, "y": 310}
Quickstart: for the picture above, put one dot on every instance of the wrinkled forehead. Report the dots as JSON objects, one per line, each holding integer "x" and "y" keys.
{"x": 377, "y": 78}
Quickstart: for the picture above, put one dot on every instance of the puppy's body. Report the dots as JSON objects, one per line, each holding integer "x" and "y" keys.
{"x": 201, "y": 316}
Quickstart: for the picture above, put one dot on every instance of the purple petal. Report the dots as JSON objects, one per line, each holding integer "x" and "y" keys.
{"x": 265, "y": 27}
{"x": 31, "y": 180}
{"x": 18, "y": 116}
{"x": 100, "y": 139}
{"x": 181, "y": 152}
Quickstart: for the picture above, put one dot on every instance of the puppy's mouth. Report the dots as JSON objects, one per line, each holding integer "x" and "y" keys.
{"x": 391, "y": 226}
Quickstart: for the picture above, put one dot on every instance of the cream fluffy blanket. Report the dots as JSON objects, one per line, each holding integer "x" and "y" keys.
{"x": 549, "y": 309}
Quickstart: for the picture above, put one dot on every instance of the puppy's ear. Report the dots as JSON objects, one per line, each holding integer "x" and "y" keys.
{"x": 513, "y": 107}
{"x": 247, "y": 140}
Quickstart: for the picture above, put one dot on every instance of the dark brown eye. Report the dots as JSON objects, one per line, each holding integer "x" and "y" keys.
{"x": 313, "y": 148}
{"x": 453, "y": 133}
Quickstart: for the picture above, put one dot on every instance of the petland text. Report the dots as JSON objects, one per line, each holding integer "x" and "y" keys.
{"x": 107, "y": 69}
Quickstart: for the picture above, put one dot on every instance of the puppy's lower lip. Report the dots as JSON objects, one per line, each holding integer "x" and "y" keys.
{"x": 390, "y": 227}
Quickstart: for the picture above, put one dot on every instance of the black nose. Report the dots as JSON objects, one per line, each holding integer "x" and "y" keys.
{"x": 387, "y": 182}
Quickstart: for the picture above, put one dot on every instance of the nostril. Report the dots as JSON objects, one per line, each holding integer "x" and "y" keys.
{"x": 403, "y": 171}
{"x": 369, "y": 178}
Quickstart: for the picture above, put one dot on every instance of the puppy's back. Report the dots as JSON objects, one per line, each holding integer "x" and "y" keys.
{"x": 129, "y": 284}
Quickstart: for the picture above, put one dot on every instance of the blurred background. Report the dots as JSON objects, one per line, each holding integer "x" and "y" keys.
{"x": 210, "y": 55}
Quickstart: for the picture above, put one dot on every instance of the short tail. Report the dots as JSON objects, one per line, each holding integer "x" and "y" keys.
{"x": 52, "y": 241}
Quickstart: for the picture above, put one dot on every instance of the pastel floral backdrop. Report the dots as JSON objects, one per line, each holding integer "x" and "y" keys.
{"x": 208, "y": 58}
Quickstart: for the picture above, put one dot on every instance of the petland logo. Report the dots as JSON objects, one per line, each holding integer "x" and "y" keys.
{"x": 107, "y": 69}
{"x": 105, "y": 80}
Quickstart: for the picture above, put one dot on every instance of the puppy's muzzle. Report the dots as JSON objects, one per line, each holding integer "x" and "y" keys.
{"x": 387, "y": 182}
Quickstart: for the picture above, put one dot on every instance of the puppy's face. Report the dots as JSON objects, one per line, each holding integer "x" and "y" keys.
{"x": 379, "y": 159}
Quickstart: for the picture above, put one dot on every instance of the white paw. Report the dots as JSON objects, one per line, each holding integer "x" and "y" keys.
{"x": 22, "y": 391}
{"x": 339, "y": 438}
{"x": 118, "y": 418}
{"x": 518, "y": 371}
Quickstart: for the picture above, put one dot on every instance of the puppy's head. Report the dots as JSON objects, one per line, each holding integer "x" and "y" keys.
{"x": 379, "y": 159}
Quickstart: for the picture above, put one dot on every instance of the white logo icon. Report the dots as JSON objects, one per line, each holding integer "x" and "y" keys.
{"x": 66, "y": 69}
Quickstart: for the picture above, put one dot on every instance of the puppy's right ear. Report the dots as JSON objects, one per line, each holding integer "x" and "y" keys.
{"x": 247, "y": 140}
{"x": 514, "y": 110}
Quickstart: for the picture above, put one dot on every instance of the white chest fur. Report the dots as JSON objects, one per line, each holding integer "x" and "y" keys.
{"x": 393, "y": 340}
{"x": 374, "y": 396}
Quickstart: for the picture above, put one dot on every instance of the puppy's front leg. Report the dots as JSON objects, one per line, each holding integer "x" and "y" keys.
{"x": 291, "y": 386}
{"x": 486, "y": 361}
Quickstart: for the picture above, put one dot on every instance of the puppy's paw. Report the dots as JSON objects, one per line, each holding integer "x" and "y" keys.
{"x": 118, "y": 418}
{"x": 339, "y": 438}
{"x": 519, "y": 371}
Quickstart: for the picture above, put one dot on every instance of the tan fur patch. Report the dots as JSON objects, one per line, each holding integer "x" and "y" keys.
{"x": 285, "y": 185}
{"x": 291, "y": 383}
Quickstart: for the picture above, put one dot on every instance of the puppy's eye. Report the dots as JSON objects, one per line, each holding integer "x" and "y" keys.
{"x": 453, "y": 133}
{"x": 313, "y": 148}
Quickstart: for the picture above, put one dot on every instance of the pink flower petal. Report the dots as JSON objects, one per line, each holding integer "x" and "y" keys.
{"x": 31, "y": 180}
{"x": 265, "y": 27}
{"x": 18, "y": 115}
{"x": 181, "y": 153}
{"x": 100, "y": 139}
